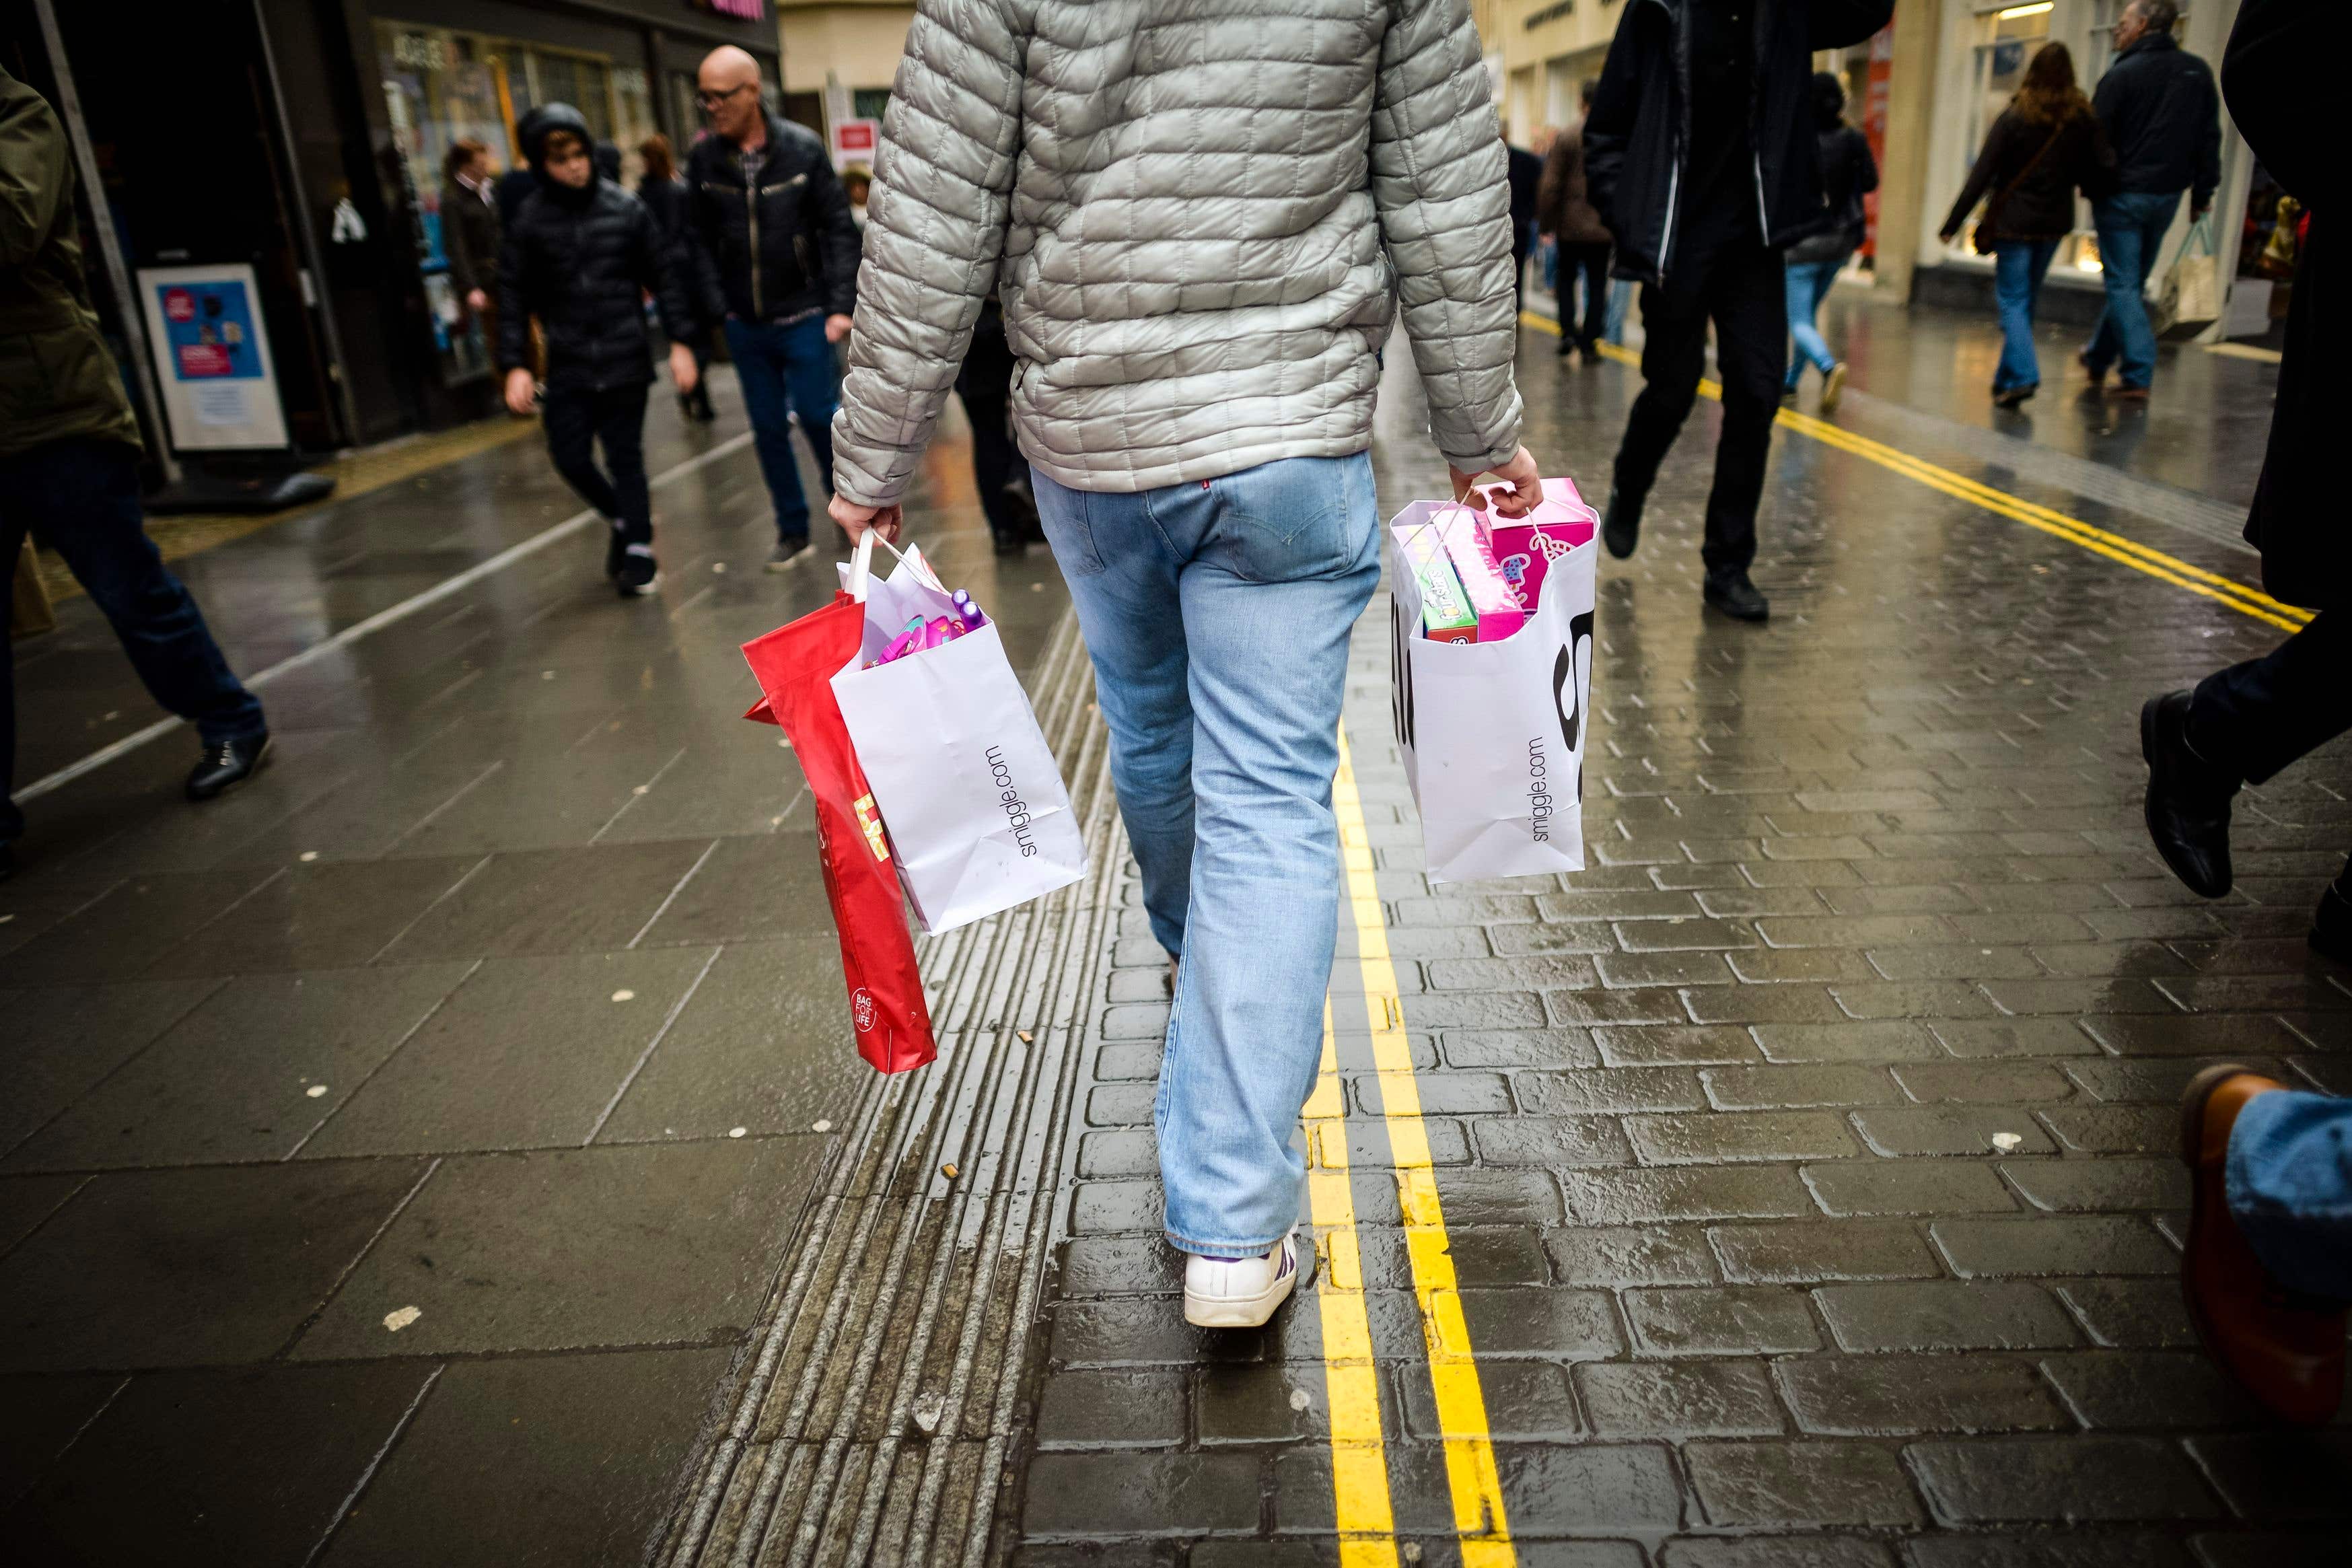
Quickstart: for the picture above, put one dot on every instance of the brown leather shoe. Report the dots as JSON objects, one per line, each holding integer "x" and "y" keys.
{"x": 2285, "y": 1349}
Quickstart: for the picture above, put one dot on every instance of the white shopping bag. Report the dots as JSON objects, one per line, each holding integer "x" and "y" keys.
{"x": 1494, "y": 733}
{"x": 966, "y": 786}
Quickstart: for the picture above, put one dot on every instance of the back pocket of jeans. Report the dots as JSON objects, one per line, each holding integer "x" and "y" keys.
{"x": 1295, "y": 519}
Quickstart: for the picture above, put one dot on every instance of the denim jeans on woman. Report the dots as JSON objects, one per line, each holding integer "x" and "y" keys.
{"x": 1809, "y": 285}
{"x": 2131, "y": 227}
{"x": 2017, "y": 271}
{"x": 1218, "y": 615}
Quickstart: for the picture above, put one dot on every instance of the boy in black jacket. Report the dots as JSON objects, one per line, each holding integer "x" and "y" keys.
{"x": 579, "y": 254}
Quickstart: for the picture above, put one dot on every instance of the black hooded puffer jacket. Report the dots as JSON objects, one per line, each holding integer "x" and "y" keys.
{"x": 582, "y": 261}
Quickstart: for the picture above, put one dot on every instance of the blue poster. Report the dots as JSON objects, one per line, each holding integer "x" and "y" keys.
{"x": 209, "y": 331}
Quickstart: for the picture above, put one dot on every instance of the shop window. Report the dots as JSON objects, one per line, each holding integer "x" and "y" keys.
{"x": 868, "y": 102}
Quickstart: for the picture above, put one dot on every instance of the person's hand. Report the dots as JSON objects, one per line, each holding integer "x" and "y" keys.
{"x": 1947, "y": 235}
{"x": 855, "y": 520}
{"x": 836, "y": 329}
{"x": 682, "y": 368}
{"x": 520, "y": 385}
{"x": 1519, "y": 472}
{"x": 2198, "y": 209}
{"x": 477, "y": 300}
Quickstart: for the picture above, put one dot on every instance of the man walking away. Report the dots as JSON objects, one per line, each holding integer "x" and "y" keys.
{"x": 2268, "y": 1265}
{"x": 1848, "y": 174}
{"x": 775, "y": 260}
{"x": 1701, "y": 154}
{"x": 70, "y": 468}
{"x": 1525, "y": 175}
{"x": 664, "y": 195}
{"x": 1195, "y": 401}
{"x": 1564, "y": 210}
{"x": 580, "y": 255}
{"x": 470, "y": 231}
{"x": 2162, "y": 116}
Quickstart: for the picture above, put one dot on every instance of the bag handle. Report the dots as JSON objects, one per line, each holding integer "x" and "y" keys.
{"x": 861, "y": 564}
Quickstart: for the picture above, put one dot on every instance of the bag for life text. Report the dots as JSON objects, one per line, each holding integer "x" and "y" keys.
{"x": 1494, "y": 734}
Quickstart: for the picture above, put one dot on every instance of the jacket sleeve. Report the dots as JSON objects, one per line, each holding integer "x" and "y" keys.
{"x": 34, "y": 176}
{"x": 1835, "y": 24}
{"x": 514, "y": 312}
{"x": 1609, "y": 124}
{"x": 836, "y": 236}
{"x": 661, "y": 272}
{"x": 1441, "y": 184}
{"x": 1987, "y": 174}
{"x": 934, "y": 234}
{"x": 1551, "y": 190}
{"x": 2209, "y": 149}
{"x": 1865, "y": 167}
{"x": 453, "y": 241}
{"x": 697, "y": 250}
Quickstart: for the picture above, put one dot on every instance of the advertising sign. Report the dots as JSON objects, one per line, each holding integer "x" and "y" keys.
{"x": 855, "y": 142}
{"x": 212, "y": 352}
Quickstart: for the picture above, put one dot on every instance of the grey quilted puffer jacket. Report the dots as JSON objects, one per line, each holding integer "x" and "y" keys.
{"x": 1201, "y": 215}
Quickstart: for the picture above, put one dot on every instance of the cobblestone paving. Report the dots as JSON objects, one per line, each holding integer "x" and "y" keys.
{"x": 1808, "y": 1160}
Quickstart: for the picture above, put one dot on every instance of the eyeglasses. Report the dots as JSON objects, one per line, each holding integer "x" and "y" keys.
{"x": 711, "y": 100}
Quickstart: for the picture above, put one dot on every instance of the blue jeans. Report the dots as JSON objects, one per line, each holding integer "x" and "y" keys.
{"x": 80, "y": 497}
{"x": 2131, "y": 230}
{"x": 1217, "y": 613}
{"x": 1809, "y": 285}
{"x": 785, "y": 371}
{"x": 2018, "y": 268}
{"x": 1621, "y": 301}
{"x": 2290, "y": 1182}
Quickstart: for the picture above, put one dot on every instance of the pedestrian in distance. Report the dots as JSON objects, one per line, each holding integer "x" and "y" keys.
{"x": 2268, "y": 1265}
{"x": 2045, "y": 146}
{"x": 1565, "y": 212}
{"x": 1525, "y": 175}
{"x": 1848, "y": 174}
{"x": 774, "y": 258}
{"x": 580, "y": 255}
{"x": 70, "y": 471}
{"x": 1702, "y": 154}
{"x": 2162, "y": 117}
{"x": 983, "y": 385}
{"x": 1195, "y": 400}
{"x": 469, "y": 230}
{"x": 664, "y": 195}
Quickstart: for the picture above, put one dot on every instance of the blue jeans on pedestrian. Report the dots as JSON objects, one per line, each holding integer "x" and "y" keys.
{"x": 1621, "y": 301}
{"x": 786, "y": 370}
{"x": 2289, "y": 1178}
{"x": 81, "y": 498}
{"x": 1809, "y": 285}
{"x": 1218, "y": 613}
{"x": 2017, "y": 271}
{"x": 2131, "y": 227}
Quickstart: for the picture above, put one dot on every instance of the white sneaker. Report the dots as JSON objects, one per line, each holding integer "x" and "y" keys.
{"x": 1245, "y": 1293}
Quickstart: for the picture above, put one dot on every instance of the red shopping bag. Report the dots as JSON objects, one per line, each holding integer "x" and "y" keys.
{"x": 795, "y": 665}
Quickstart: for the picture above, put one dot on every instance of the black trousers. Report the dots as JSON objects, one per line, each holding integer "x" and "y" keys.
{"x": 2255, "y": 718}
{"x": 578, "y": 421}
{"x": 1742, "y": 290}
{"x": 1591, "y": 262}
{"x": 994, "y": 461}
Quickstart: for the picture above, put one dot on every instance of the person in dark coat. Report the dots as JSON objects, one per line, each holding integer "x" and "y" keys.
{"x": 580, "y": 255}
{"x": 469, "y": 230}
{"x": 664, "y": 195}
{"x": 1848, "y": 174}
{"x": 1564, "y": 210}
{"x": 2267, "y": 1269}
{"x": 1702, "y": 156}
{"x": 70, "y": 468}
{"x": 2163, "y": 117}
{"x": 2045, "y": 146}
{"x": 985, "y": 386}
{"x": 1525, "y": 172}
{"x": 522, "y": 179}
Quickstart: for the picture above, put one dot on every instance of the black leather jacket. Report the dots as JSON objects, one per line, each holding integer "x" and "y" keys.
{"x": 1637, "y": 138}
{"x": 781, "y": 246}
{"x": 2163, "y": 117}
{"x": 582, "y": 262}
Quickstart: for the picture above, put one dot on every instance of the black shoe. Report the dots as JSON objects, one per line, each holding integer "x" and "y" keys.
{"x": 638, "y": 577}
{"x": 2010, "y": 398}
{"x": 789, "y": 549}
{"x": 2331, "y": 923}
{"x": 1568, "y": 345}
{"x": 2188, "y": 807}
{"x": 2097, "y": 373}
{"x": 226, "y": 765}
{"x": 1621, "y": 530}
{"x": 1735, "y": 597}
{"x": 1589, "y": 349}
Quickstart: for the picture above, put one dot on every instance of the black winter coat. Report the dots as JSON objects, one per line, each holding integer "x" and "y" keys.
{"x": 1637, "y": 138}
{"x": 2278, "y": 71}
{"x": 2032, "y": 172}
{"x": 469, "y": 236}
{"x": 582, "y": 262}
{"x": 1848, "y": 174}
{"x": 2163, "y": 118}
{"x": 780, "y": 247}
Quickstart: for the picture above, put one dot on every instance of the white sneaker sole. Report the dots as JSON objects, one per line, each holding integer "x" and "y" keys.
{"x": 1252, "y": 1312}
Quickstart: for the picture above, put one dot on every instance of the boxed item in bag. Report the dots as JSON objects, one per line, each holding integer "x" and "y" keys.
{"x": 1525, "y": 547}
{"x": 1490, "y": 594}
{"x": 1445, "y": 612}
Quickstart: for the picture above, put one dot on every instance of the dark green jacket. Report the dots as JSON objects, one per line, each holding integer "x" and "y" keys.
{"x": 57, "y": 379}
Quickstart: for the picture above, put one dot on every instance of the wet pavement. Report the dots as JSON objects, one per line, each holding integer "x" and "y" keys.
{"x": 1663, "y": 1219}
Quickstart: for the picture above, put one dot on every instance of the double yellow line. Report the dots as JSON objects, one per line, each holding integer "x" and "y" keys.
{"x": 1359, "y": 1457}
{"x": 2116, "y": 547}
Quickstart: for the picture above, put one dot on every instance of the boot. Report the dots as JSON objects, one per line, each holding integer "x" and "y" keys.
{"x": 1620, "y": 527}
{"x": 2188, "y": 804}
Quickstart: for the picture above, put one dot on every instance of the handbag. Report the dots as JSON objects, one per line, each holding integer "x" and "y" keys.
{"x": 1988, "y": 238}
{"x": 2192, "y": 295}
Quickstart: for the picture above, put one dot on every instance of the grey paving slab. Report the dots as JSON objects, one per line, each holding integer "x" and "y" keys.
{"x": 579, "y": 900}
{"x": 125, "y": 930}
{"x": 248, "y": 1075}
{"x": 217, "y": 1466}
{"x": 548, "y": 1460}
{"x": 40, "y": 1417}
{"x": 26, "y": 1201}
{"x": 210, "y": 1267}
{"x": 528, "y": 1052}
{"x": 327, "y": 915}
{"x": 62, "y": 1040}
{"x": 576, "y": 1248}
